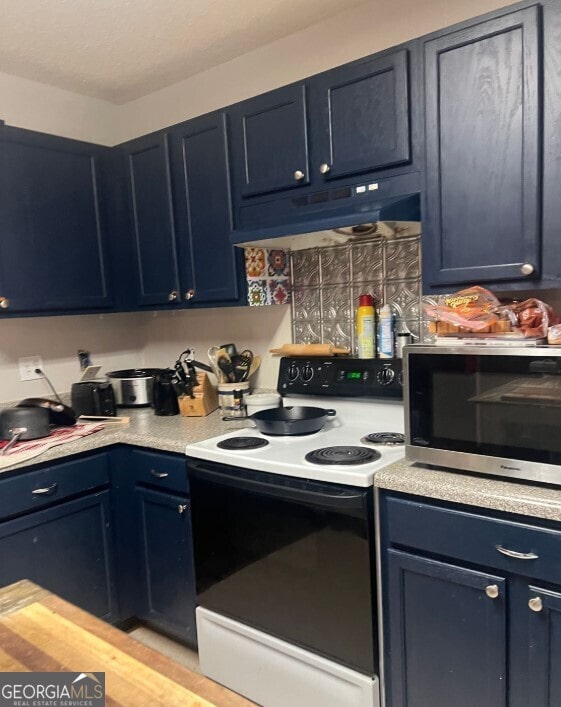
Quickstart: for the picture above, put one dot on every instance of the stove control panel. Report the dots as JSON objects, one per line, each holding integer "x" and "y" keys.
{"x": 345, "y": 377}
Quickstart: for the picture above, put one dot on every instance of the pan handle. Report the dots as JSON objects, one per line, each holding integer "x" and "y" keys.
{"x": 330, "y": 412}
{"x": 16, "y": 434}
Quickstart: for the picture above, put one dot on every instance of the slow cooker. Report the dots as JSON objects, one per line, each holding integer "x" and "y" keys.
{"x": 133, "y": 386}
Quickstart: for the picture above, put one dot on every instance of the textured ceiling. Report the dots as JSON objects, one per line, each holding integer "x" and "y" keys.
{"x": 119, "y": 50}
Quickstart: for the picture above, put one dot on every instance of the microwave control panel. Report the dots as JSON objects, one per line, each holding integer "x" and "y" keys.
{"x": 338, "y": 376}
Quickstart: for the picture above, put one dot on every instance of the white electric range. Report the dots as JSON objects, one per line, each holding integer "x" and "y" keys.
{"x": 284, "y": 546}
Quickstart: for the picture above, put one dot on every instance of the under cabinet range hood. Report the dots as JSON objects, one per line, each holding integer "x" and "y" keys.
{"x": 387, "y": 217}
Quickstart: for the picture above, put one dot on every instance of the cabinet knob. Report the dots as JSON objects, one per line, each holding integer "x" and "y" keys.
{"x": 492, "y": 591}
{"x": 324, "y": 168}
{"x": 527, "y": 268}
{"x": 299, "y": 175}
{"x": 173, "y": 296}
{"x": 189, "y": 295}
{"x": 535, "y": 603}
{"x": 181, "y": 508}
{"x": 4, "y": 302}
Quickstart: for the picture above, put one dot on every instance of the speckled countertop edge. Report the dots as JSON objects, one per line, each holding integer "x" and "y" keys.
{"x": 471, "y": 489}
{"x": 167, "y": 434}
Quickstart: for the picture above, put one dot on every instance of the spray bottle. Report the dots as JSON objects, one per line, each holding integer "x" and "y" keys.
{"x": 386, "y": 334}
{"x": 365, "y": 318}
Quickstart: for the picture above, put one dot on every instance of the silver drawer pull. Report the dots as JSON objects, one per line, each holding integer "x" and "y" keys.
{"x": 516, "y": 555}
{"x": 159, "y": 474}
{"x": 45, "y": 491}
{"x": 181, "y": 508}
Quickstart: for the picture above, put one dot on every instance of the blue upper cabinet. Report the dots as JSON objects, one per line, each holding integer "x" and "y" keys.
{"x": 152, "y": 222}
{"x": 330, "y": 150}
{"x": 201, "y": 177}
{"x": 482, "y": 200}
{"x": 362, "y": 117}
{"x": 270, "y": 141}
{"x": 52, "y": 224}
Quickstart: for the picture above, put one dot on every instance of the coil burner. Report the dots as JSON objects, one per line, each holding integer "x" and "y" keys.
{"x": 345, "y": 456}
{"x": 242, "y": 443}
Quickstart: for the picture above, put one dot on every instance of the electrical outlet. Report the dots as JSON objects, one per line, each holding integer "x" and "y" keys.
{"x": 27, "y": 368}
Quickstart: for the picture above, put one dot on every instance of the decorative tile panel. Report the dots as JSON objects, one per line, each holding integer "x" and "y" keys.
{"x": 327, "y": 283}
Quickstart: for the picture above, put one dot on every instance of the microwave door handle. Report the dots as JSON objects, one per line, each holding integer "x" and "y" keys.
{"x": 332, "y": 501}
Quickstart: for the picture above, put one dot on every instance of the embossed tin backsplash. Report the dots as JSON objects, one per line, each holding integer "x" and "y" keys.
{"x": 327, "y": 282}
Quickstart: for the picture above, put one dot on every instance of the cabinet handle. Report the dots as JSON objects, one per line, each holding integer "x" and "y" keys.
{"x": 181, "y": 508}
{"x": 299, "y": 175}
{"x": 324, "y": 168}
{"x": 516, "y": 555}
{"x": 189, "y": 295}
{"x": 173, "y": 296}
{"x": 159, "y": 474}
{"x": 45, "y": 491}
{"x": 492, "y": 591}
{"x": 535, "y": 604}
{"x": 4, "y": 302}
{"x": 527, "y": 268}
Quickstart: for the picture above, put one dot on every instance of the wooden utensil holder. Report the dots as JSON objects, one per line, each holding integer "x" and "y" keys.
{"x": 204, "y": 402}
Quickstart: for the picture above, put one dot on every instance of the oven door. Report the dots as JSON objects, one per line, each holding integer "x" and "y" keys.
{"x": 291, "y": 557}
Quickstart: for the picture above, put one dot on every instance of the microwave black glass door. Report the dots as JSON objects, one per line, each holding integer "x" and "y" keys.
{"x": 288, "y": 557}
{"x": 496, "y": 405}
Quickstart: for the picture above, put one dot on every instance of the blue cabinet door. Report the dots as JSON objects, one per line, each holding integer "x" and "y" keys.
{"x": 542, "y": 615}
{"x": 481, "y": 220}
{"x": 447, "y": 637}
{"x": 67, "y": 549}
{"x": 148, "y": 174}
{"x": 167, "y": 592}
{"x": 52, "y": 223}
{"x": 201, "y": 176}
{"x": 270, "y": 141}
{"x": 361, "y": 117}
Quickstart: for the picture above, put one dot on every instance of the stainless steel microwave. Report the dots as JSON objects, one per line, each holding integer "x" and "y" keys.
{"x": 494, "y": 410}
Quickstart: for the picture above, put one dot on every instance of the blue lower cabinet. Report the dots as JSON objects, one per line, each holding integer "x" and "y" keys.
{"x": 167, "y": 586}
{"x": 543, "y": 615}
{"x": 66, "y": 548}
{"x": 447, "y": 634}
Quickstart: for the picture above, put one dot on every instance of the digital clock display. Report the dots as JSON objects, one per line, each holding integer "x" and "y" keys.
{"x": 354, "y": 375}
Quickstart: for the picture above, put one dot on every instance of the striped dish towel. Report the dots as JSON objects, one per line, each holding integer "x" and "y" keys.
{"x": 24, "y": 451}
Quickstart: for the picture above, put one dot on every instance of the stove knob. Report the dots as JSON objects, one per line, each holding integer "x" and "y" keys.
{"x": 385, "y": 376}
{"x": 400, "y": 378}
{"x": 307, "y": 373}
{"x": 292, "y": 372}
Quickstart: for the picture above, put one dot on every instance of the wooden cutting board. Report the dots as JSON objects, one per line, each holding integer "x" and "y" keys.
{"x": 41, "y": 632}
{"x": 310, "y": 350}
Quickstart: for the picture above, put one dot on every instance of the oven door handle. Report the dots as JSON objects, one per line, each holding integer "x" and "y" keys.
{"x": 341, "y": 499}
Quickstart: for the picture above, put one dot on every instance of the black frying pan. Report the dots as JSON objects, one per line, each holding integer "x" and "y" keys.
{"x": 295, "y": 420}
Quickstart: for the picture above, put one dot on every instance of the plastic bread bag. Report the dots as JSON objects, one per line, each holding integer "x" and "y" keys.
{"x": 473, "y": 309}
{"x": 554, "y": 335}
{"x": 534, "y": 318}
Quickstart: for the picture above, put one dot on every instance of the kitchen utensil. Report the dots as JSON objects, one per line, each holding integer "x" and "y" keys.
{"x": 60, "y": 415}
{"x": 133, "y": 386}
{"x": 23, "y": 424}
{"x": 225, "y": 365}
{"x": 294, "y": 420}
{"x": 310, "y": 350}
{"x": 254, "y": 365}
{"x": 230, "y": 349}
{"x": 213, "y": 358}
{"x": 242, "y": 364}
{"x": 164, "y": 397}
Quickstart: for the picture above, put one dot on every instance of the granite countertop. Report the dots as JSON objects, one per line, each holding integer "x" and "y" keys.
{"x": 471, "y": 489}
{"x": 169, "y": 434}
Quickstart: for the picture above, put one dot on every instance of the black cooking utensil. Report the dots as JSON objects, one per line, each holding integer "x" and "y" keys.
{"x": 226, "y": 366}
{"x": 230, "y": 349}
{"x": 242, "y": 364}
{"x": 294, "y": 420}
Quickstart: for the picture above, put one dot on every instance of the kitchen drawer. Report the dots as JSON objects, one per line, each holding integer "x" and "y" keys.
{"x": 474, "y": 538}
{"x": 166, "y": 471}
{"x": 36, "y": 489}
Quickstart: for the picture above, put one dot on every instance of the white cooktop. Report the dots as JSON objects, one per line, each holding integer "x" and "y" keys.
{"x": 286, "y": 454}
